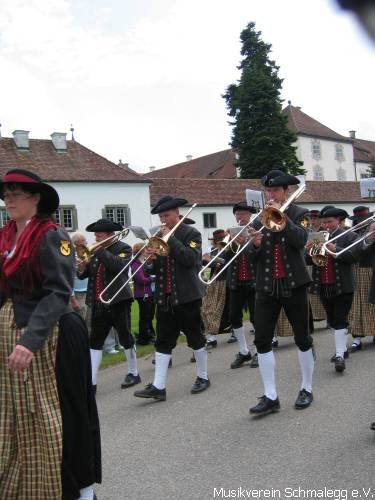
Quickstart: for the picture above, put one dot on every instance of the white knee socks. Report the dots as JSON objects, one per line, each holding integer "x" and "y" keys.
{"x": 161, "y": 368}
{"x": 96, "y": 359}
{"x": 201, "y": 359}
{"x": 240, "y": 336}
{"x": 267, "y": 372}
{"x": 86, "y": 493}
{"x": 306, "y": 362}
{"x": 131, "y": 357}
{"x": 356, "y": 341}
{"x": 340, "y": 341}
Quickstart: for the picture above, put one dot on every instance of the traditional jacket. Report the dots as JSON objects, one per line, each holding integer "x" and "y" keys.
{"x": 242, "y": 271}
{"x": 114, "y": 258}
{"x": 177, "y": 274}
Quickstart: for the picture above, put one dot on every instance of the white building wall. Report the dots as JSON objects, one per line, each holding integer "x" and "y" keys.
{"x": 328, "y": 162}
{"x": 362, "y": 168}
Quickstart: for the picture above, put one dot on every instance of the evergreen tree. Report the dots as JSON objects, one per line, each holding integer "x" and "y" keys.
{"x": 260, "y": 135}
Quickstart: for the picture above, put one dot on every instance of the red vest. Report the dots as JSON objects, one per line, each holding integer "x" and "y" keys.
{"x": 278, "y": 265}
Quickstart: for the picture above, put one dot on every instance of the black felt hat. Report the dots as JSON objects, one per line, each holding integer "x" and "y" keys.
{"x": 331, "y": 211}
{"x": 360, "y": 213}
{"x": 168, "y": 203}
{"x": 104, "y": 226}
{"x": 314, "y": 213}
{"x": 49, "y": 199}
{"x": 188, "y": 221}
{"x": 276, "y": 178}
{"x": 242, "y": 205}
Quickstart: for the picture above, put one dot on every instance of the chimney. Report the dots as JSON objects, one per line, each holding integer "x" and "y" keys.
{"x": 21, "y": 139}
{"x": 152, "y": 169}
{"x": 189, "y": 157}
{"x": 59, "y": 141}
{"x": 123, "y": 165}
{"x": 352, "y": 134}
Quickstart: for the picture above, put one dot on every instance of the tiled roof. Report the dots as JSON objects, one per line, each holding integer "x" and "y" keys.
{"x": 78, "y": 163}
{"x": 214, "y": 166}
{"x": 230, "y": 191}
{"x": 301, "y": 123}
{"x": 364, "y": 151}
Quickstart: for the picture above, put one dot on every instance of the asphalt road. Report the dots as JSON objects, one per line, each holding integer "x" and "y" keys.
{"x": 203, "y": 446}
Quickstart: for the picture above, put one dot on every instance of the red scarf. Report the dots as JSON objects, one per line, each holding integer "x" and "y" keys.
{"x": 25, "y": 259}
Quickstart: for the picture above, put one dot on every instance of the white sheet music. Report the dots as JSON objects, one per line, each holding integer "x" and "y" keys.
{"x": 255, "y": 199}
{"x": 139, "y": 232}
{"x": 367, "y": 187}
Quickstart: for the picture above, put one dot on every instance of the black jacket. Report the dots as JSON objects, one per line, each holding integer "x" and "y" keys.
{"x": 41, "y": 310}
{"x": 292, "y": 241}
{"x": 232, "y": 273}
{"x": 114, "y": 258}
{"x": 185, "y": 263}
{"x": 342, "y": 266}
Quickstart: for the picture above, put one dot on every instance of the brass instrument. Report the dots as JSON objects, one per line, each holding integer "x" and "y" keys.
{"x": 317, "y": 251}
{"x": 157, "y": 243}
{"x": 85, "y": 253}
{"x": 356, "y": 227}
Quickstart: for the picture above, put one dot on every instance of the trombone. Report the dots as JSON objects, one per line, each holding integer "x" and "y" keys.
{"x": 271, "y": 218}
{"x": 360, "y": 225}
{"x": 85, "y": 253}
{"x": 157, "y": 243}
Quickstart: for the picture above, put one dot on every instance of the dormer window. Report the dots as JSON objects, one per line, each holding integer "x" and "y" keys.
{"x": 316, "y": 150}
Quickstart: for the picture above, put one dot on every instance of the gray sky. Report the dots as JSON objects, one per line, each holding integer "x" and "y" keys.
{"x": 141, "y": 80}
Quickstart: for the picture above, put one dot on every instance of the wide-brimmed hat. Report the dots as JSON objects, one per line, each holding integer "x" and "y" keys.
{"x": 168, "y": 203}
{"x": 360, "y": 213}
{"x": 331, "y": 211}
{"x": 276, "y": 178}
{"x": 188, "y": 221}
{"x": 218, "y": 234}
{"x": 104, "y": 226}
{"x": 49, "y": 199}
{"x": 314, "y": 213}
{"x": 242, "y": 205}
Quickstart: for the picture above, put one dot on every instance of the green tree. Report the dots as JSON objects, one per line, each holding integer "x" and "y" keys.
{"x": 260, "y": 137}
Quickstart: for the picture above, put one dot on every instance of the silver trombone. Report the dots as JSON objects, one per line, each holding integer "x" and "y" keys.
{"x": 271, "y": 218}
{"x": 360, "y": 225}
{"x": 159, "y": 244}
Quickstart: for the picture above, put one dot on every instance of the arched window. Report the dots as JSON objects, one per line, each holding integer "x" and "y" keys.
{"x": 318, "y": 173}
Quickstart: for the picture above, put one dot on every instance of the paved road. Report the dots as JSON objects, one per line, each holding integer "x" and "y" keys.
{"x": 189, "y": 445}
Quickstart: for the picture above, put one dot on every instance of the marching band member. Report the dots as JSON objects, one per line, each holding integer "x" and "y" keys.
{"x": 281, "y": 282}
{"x": 101, "y": 269}
{"x": 178, "y": 297}
{"x": 335, "y": 282}
{"x": 317, "y": 309}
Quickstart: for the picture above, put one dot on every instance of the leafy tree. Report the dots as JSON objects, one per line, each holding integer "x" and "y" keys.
{"x": 260, "y": 137}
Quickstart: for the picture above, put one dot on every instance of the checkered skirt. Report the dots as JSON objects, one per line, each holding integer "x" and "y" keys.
{"x": 283, "y": 327}
{"x": 362, "y": 313}
{"x": 318, "y": 311}
{"x": 213, "y": 306}
{"x": 30, "y": 420}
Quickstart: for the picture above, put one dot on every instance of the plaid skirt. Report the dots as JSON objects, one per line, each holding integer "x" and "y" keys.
{"x": 283, "y": 327}
{"x": 318, "y": 311}
{"x": 30, "y": 420}
{"x": 212, "y": 307}
{"x": 362, "y": 313}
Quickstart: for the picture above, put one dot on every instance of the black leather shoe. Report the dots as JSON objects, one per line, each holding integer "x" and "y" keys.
{"x": 169, "y": 364}
{"x": 303, "y": 400}
{"x": 339, "y": 364}
{"x": 254, "y": 362}
{"x": 355, "y": 347}
{"x": 265, "y": 406}
{"x": 240, "y": 360}
{"x": 275, "y": 344}
{"x": 192, "y": 359}
{"x": 95, "y": 497}
{"x": 211, "y": 343}
{"x": 232, "y": 339}
{"x": 130, "y": 380}
{"x": 94, "y": 389}
{"x": 346, "y": 355}
{"x": 201, "y": 384}
{"x": 372, "y": 426}
{"x": 150, "y": 391}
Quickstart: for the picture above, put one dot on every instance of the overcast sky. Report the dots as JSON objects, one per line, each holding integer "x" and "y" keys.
{"x": 141, "y": 80}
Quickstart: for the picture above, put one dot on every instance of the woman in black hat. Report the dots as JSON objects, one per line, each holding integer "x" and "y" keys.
{"x": 36, "y": 277}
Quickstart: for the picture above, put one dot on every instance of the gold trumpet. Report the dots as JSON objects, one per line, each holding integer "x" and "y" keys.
{"x": 85, "y": 253}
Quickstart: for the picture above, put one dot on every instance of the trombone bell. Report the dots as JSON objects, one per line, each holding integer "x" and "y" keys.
{"x": 273, "y": 219}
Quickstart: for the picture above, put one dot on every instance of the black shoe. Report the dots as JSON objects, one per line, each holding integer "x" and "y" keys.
{"x": 94, "y": 390}
{"x": 192, "y": 359}
{"x": 265, "y": 406}
{"x": 142, "y": 341}
{"x": 130, "y": 380}
{"x": 169, "y": 364}
{"x": 372, "y": 426}
{"x": 240, "y": 360}
{"x": 211, "y": 343}
{"x": 346, "y": 355}
{"x": 303, "y": 400}
{"x": 95, "y": 497}
{"x": 339, "y": 364}
{"x": 232, "y": 339}
{"x": 201, "y": 384}
{"x": 275, "y": 344}
{"x": 150, "y": 391}
{"x": 254, "y": 362}
{"x": 355, "y": 347}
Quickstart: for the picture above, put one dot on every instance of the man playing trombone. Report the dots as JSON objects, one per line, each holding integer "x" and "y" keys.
{"x": 282, "y": 280}
{"x": 178, "y": 296}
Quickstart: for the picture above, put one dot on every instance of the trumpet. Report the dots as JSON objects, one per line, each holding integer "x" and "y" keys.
{"x": 85, "y": 253}
{"x": 317, "y": 251}
{"x": 271, "y": 218}
{"x": 356, "y": 227}
{"x": 157, "y": 243}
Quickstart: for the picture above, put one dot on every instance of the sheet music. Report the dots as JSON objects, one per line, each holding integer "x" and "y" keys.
{"x": 255, "y": 199}
{"x": 367, "y": 187}
{"x": 139, "y": 232}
